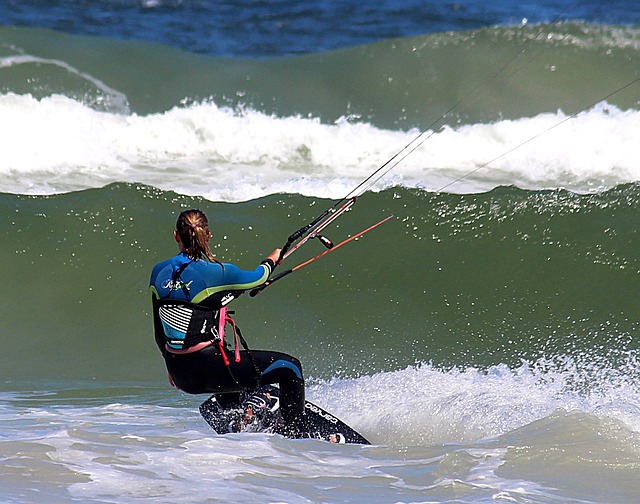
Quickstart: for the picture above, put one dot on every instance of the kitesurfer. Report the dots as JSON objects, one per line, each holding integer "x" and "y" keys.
{"x": 189, "y": 295}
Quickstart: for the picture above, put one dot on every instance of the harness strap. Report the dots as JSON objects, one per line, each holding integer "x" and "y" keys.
{"x": 195, "y": 348}
{"x": 235, "y": 339}
{"x": 225, "y": 319}
{"x": 238, "y": 340}
{"x": 222, "y": 321}
{"x": 253, "y": 362}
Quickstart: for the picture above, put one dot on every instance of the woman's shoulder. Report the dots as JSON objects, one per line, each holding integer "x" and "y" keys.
{"x": 160, "y": 266}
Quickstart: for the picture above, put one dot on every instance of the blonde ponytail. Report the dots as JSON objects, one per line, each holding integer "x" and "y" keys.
{"x": 192, "y": 227}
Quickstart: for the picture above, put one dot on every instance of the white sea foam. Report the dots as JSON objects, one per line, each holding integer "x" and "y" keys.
{"x": 57, "y": 144}
{"x": 422, "y": 405}
{"x": 431, "y": 429}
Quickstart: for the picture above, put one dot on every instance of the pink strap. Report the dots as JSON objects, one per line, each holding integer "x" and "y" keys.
{"x": 222, "y": 322}
{"x": 224, "y": 319}
{"x": 194, "y": 348}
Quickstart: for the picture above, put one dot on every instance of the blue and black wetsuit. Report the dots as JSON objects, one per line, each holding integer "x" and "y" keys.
{"x": 197, "y": 367}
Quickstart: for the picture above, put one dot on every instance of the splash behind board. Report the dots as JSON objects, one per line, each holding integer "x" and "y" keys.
{"x": 260, "y": 413}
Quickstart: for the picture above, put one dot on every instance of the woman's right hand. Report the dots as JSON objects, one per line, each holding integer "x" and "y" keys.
{"x": 275, "y": 256}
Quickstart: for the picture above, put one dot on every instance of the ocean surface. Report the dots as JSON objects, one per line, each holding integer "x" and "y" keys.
{"x": 485, "y": 339}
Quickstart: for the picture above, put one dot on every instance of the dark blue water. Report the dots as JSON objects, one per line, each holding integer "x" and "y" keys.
{"x": 258, "y": 28}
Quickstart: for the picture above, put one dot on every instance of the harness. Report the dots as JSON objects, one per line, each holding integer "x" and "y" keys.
{"x": 187, "y": 326}
{"x": 190, "y": 327}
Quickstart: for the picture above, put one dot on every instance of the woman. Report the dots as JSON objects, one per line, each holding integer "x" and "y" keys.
{"x": 189, "y": 293}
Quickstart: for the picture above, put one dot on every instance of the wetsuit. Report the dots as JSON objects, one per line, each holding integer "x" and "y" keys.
{"x": 198, "y": 367}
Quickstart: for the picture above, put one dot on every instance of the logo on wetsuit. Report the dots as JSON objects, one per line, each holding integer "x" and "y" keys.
{"x": 174, "y": 285}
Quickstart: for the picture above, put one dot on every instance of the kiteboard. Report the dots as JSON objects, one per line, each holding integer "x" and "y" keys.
{"x": 259, "y": 412}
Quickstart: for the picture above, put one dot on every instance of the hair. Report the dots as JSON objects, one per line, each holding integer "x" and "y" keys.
{"x": 193, "y": 229}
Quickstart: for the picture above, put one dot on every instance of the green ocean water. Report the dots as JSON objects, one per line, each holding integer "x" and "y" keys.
{"x": 496, "y": 73}
{"x": 485, "y": 342}
{"x": 456, "y": 280}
